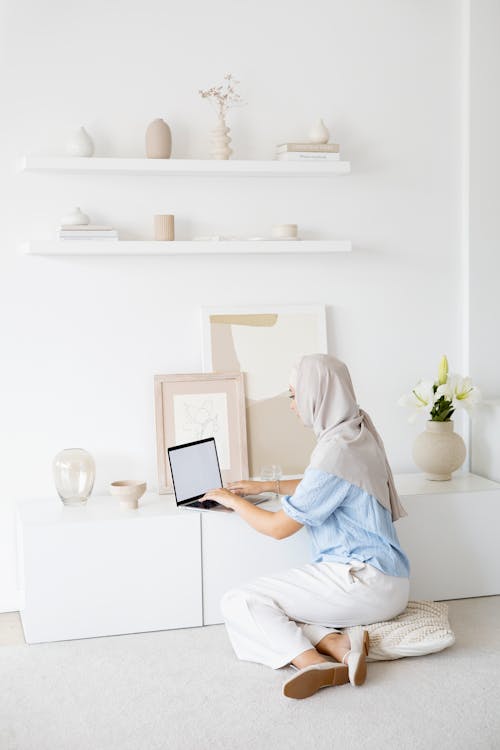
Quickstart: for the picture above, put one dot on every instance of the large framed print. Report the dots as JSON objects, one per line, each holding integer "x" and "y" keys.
{"x": 194, "y": 406}
{"x": 264, "y": 343}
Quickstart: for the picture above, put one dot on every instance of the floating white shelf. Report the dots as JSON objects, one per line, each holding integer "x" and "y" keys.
{"x": 144, "y": 247}
{"x": 184, "y": 167}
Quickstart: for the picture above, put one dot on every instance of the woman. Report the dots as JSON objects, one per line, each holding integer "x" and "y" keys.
{"x": 348, "y": 501}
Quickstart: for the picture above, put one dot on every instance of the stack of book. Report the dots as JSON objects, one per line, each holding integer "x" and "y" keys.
{"x": 308, "y": 152}
{"x": 86, "y": 232}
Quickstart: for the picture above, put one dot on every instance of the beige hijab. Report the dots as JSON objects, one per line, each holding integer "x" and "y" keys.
{"x": 348, "y": 445}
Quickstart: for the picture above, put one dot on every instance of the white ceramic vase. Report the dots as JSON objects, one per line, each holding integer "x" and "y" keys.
{"x": 80, "y": 144}
{"x": 439, "y": 450}
{"x": 319, "y": 133}
{"x": 221, "y": 141}
{"x": 75, "y": 218}
{"x": 158, "y": 140}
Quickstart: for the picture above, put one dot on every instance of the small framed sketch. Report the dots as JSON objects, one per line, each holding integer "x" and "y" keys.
{"x": 196, "y": 406}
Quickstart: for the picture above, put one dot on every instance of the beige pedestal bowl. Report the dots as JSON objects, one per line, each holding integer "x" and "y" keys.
{"x": 129, "y": 492}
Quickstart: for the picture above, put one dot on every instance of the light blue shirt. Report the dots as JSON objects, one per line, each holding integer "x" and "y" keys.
{"x": 345, "y": 523}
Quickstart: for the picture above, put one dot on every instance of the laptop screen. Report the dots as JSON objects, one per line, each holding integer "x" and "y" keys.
{"x": 195, "y": 469}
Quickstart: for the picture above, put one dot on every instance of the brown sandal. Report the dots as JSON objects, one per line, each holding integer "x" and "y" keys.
{"x": 309, "y": 680}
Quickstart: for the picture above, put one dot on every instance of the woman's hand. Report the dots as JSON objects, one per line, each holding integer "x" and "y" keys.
{"x": 248, "y": 487}
{"x": 224, "y": 497}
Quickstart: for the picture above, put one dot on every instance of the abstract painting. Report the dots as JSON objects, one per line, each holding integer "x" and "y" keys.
{"x": 264, "y": 344}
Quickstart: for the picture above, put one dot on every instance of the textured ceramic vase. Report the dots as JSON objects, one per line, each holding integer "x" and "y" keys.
{"x": 158, "y": 140}
{"x": 319, "y": 133}
{"x": 75, "y": 218}
{"x": 74, "y": 475}
{"x": 80, "y": 144}
{"x": 439, "y": 450}
{"x": 221, "y": 141}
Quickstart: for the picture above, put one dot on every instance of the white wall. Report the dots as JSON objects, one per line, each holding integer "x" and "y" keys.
{"x": 82, "y": 337}
{"x": 484, "y": 231}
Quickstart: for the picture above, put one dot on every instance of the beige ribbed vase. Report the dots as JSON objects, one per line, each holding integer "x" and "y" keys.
{"x": 439, "y": 450}
{"x": 164, "y": 227}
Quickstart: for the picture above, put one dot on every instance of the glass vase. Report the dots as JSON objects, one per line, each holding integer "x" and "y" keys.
{"x": 74, "y": 475}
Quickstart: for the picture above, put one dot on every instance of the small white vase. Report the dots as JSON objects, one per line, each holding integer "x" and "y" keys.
{"x": 221, "y": 141}
{"x": 158, "y": 140}
{"x": 319, "y": 133}
{"x": 439, "y": 450}
{"x": 75, "y": 218}
{"x": 80, "y": 144}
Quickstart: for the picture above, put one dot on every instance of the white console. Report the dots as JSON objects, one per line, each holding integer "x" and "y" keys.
{"x": 99, "y": 570}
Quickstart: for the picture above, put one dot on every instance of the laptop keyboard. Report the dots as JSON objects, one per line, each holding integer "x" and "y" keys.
{"x": 206, "y": 504}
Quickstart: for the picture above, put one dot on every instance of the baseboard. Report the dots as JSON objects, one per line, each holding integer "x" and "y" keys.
{"x": 10, "y": 601}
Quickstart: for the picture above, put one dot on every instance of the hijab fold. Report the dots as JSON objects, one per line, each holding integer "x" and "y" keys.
{"x": 348, "y": 444}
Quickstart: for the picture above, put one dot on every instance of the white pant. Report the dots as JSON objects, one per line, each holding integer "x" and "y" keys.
{"x": 274, "y": 619}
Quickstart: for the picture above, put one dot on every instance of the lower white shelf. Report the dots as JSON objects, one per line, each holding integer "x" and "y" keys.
{"x": 146, "y": 247}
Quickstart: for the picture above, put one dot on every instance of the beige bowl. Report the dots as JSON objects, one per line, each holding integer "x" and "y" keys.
{"x": 129, "y": 491}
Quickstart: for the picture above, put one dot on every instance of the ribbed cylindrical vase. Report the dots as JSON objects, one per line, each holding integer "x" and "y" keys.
{"x": 74, "y": 475}
{"x": 164, "y": 227}
{"x": 439, "y": 450}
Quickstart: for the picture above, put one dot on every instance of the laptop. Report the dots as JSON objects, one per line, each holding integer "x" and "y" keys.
{"x": 195, "y": 470}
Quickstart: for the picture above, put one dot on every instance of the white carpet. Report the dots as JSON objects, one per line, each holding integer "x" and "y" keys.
{"x": 184, "y": 690}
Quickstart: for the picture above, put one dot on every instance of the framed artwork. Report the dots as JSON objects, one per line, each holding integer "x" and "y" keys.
{"x": 194, "y": 406}
{"x": 264, "y": 343}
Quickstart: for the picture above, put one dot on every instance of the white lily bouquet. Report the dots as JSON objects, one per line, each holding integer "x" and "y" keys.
{"x": 439, "y": 399}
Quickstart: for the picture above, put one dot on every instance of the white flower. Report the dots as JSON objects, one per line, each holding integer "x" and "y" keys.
{"x": 420, "y": 400}
{"x": 463, "y": 393}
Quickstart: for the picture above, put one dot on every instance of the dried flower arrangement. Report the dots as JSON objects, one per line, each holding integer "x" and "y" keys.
{"x": 224, "y": 96}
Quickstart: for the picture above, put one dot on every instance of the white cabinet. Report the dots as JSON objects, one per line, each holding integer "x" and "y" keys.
{"x": 451, "y": 535}
{"x": 98, "y": 570}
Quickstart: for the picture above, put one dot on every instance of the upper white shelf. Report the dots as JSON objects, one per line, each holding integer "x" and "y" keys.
{"x": 184, "y": 167}
{"x": 147, "y": 247}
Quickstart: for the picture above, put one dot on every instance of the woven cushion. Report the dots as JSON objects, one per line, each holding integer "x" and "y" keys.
{"x": 422, "y": 628}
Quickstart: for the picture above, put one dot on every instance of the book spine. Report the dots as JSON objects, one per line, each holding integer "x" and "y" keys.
{"x": 85, "y": 228}
{"x": 307, "y": 156}
{"x": 89, "y": 236}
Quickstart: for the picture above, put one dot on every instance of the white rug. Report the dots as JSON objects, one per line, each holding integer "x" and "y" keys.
{"x": 185, "y": 690}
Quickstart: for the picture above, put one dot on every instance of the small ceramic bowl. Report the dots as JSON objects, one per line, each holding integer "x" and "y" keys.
{"x": 284, "y": 232}
{"x": 129, "y": 491}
